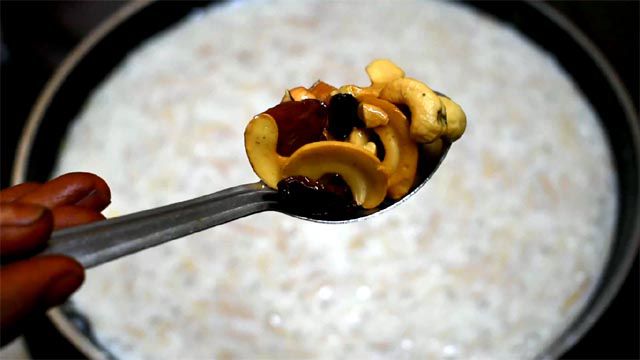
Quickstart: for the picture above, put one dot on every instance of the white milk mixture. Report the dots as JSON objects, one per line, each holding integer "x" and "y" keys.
{"x": 490, "y": 260}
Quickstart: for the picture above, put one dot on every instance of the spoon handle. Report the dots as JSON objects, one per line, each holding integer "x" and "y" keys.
{"x": 99, "y": 242}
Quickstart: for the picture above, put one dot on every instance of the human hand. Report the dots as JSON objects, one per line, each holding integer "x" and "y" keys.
{"x": 29, "y": 212}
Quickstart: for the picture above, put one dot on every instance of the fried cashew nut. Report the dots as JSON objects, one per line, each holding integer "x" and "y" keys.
{"x": 401, "y": 152}
{"x": 301, "y": 93}
{"x": 371, "y": 147}
{"x": 428, "y": 119}
{"x": 382, "y": 71}
{"x": 261, "y": 141}
{"x": 371, "y": 115}
{"x": 456, "y": 119}
{"x": 322, "y": 91}
{"x": 358, "y": 137}
{"x": 356, "y": 91}
{"x": 362, "y": 171}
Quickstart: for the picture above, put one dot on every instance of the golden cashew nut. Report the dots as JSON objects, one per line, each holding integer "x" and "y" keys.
{"x": 358, "y": 137}
{"x": 362, "y": 171}
{"x": 371, "y": 115}
{"x": 401, "y": 153}
{"x": 456, "y": 119}
{"x": 371, "y": 147}
{"x": 391, "y": 149}
{"x": 260, "y": 142}
{"x": 356, "y": 91}
{"x": 300, "y": 93}
{"x": 382, "y": 71}
{"x": 428, "y": 121}
{"x": 322, "y": 91}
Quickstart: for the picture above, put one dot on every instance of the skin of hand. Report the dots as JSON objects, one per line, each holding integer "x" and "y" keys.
{"x": 29, "y": 212}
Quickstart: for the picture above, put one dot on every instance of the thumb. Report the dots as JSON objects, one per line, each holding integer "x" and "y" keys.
{"x": 32, "y": 286}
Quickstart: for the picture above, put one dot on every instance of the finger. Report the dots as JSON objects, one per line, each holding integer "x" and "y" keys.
{"x": 23, "y": 228}
{"x": 68, "y": 216}
{"x": 15, "y": 192}
{"x": 80, "y": 189}
{"x": 31, "y": 286}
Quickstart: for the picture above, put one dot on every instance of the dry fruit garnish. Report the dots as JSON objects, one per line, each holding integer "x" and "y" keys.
{"x": 355, "y": 143}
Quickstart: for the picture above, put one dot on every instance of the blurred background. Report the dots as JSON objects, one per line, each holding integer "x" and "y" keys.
{"x": 36, "y": 36}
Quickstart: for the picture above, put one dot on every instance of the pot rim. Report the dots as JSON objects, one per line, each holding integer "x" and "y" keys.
{"x": 557, "y": 347}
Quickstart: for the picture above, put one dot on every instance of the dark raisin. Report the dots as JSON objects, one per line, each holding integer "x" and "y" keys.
{"x": 329, "y": 195}
{"x": 299, "y": 123}
{"x": 299, "y": 187}
{"x": 343, "y": 116}
{"x": 334, "y": 183}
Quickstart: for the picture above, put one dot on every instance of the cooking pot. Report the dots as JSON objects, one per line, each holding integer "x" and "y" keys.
{"x": 106, "y": 47}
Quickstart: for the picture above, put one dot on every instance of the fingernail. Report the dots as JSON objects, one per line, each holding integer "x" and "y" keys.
{"x": 95, "y": 199}
{"x": 88, "y": 195}
{"x": 61, "y": 287}
{"x": 21, "y": 214}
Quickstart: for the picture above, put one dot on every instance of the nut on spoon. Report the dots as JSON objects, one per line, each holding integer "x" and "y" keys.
{"x": 96, "y": 243}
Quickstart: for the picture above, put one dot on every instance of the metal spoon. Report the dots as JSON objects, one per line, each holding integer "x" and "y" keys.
{"x": 100, "y": 242}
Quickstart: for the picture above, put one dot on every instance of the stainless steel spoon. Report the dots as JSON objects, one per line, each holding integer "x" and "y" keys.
{"x": 100, "y": 242}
